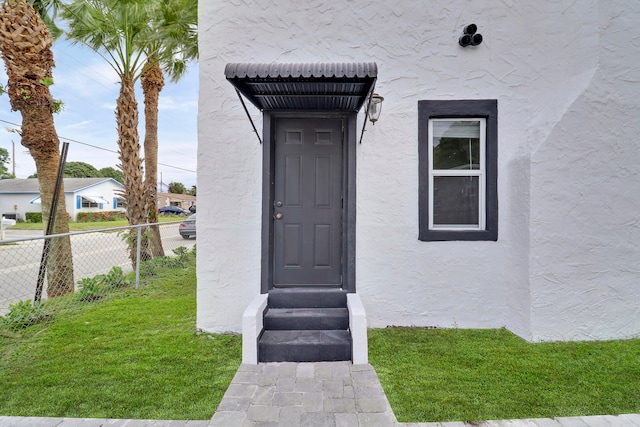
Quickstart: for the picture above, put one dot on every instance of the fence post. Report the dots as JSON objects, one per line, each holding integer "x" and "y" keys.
{"x": 51, "y": 222}
{"x": 138, "y": 256}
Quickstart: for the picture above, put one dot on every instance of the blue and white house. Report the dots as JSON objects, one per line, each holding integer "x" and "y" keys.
{"x": 19, "y": 196}
{"x": 498, "y": 187}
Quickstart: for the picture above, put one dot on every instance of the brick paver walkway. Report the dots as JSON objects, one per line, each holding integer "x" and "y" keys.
{"x": 305, "y": 394}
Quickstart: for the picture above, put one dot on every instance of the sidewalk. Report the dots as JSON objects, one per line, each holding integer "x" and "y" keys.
{"x": 22, "y": 234}
{"x": 329, "y": 394}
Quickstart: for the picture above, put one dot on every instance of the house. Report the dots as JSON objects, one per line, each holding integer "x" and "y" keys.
{"x": 185, "y": 201}
{"x": 498, "y": 188}
{"x": 19, "y": 196}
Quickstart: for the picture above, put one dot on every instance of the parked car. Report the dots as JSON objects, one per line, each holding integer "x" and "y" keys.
{"x": 172, "y": 210}
{"x": 187, "y": 228}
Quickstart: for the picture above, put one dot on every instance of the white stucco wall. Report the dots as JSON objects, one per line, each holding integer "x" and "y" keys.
{"x": 565, "y": 76}
{"x": 585, "y": 237}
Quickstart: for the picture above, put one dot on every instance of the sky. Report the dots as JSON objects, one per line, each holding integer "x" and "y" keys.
{"x": 89, "y": 87}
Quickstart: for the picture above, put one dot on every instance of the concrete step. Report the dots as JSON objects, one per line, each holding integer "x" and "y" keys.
{"x": 304, "y": 346}
{"x": 306, "y": 318}
{"x": 307, "y": 298}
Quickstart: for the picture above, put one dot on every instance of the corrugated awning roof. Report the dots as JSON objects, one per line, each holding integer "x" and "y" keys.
{"x": 96, "y": 199}
{"x": 304, "y": 86}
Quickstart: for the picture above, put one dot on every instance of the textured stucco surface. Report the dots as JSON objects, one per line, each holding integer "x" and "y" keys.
{"x": 585, "y": 257}
{"x": 565, "y": 74}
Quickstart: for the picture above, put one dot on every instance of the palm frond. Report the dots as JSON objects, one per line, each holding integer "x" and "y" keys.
{"x": 174, "y": 31}
{"x": 48, "y": 11}
{"x": 116, "y": 29}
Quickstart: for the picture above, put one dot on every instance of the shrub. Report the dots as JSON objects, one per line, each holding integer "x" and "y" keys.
{"x": 84, "y": 217}
{"x": 91, "y": 289}
{"x": 24, "y": 313}
{"x": 33, "y": 217}
{"x": 95, "y": 288}
{"x": 182, "y": 257}
{"x": 99, "y": 216}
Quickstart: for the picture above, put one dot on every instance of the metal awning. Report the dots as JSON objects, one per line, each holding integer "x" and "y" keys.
{"x": 96, "y": 199}
{"x": 340, "y": 86}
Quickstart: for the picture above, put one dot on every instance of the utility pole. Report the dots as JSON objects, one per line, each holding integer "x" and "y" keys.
{"x": 13, "y": 157}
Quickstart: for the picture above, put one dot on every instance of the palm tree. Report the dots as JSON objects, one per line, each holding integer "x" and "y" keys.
{"x": 176, "y": 44}
{"x": 117, "y": 30}
{"x": 25, "y": 46}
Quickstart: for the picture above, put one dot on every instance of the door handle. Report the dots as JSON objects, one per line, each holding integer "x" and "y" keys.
{"x": 279, "y": 215}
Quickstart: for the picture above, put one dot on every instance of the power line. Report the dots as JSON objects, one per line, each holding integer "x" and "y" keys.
{"x": 79, "y": 71}
{"x": 99, "y": 148}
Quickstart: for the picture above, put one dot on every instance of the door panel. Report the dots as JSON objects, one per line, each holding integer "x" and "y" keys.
{"x": 322, "y": 249}
{"x": 293, "y": 181}
{"x": 307, "y": 240}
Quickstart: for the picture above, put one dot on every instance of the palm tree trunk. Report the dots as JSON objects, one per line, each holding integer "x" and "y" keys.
{"x": 39, "y": 136}
{"x": 131, "y": 164}
{"x": 152, "y": 84}
{"x": 25, "y": 44}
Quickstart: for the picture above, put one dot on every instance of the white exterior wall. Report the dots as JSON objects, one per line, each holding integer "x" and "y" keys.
{"x": 108, "y": 190}
{"x": 585, "y": 237}
{"x": 565, "y": 76}
{"x": 21, "y": 204}
{"x": 18, "y": 203}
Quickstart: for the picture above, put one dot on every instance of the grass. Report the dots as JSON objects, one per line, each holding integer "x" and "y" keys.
{"x": 470, "y": 375}
{"x": 135, "y": 354}
{"x": 97, "y": 225}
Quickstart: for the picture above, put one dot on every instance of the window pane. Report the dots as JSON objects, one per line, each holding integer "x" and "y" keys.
{"x": 456, "y": 144}
{"x": 455, "y": 200}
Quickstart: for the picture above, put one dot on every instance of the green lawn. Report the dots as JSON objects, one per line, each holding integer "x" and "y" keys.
{"x": 97, "y": 225}
{"x": 467, "y": 375}
{"x": 136, "y": 355}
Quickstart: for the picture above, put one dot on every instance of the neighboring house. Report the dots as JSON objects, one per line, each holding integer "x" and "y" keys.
{"x": 19, "y": 196}
{"x": 184, "y": 201}
{"x": 499, "y": 187}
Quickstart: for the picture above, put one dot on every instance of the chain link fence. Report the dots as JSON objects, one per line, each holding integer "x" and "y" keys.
{"x": 62, "y": 269}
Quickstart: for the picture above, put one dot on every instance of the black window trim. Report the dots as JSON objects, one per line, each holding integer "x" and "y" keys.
{"x": 468, "y": 108}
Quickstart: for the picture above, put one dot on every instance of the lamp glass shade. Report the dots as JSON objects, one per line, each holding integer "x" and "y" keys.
{"x": 375, "y": 107}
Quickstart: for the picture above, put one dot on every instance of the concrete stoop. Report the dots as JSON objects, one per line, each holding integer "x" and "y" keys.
{"x": 305, "y": 325}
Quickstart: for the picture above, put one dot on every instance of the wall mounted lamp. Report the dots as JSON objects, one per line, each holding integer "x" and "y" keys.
{"x": 469, "y": 36}
{"x": 375, "y": 107}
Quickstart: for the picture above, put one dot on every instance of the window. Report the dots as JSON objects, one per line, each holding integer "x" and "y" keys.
{"x": 89, "y": 203}
{"x": 458, "y": 170}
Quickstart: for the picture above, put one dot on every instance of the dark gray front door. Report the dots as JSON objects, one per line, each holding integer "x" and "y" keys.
{"x": 307, "y": 241}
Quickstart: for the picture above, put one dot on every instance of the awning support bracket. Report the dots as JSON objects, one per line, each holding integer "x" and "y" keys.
{"x": 366, "y": 109}
{"x": 249, "y": 115}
